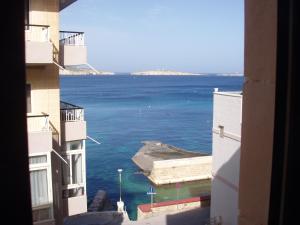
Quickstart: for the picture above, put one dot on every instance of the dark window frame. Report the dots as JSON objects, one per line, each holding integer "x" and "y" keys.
{"x": 28, "y": 98}
{"x": 15, "y": 161}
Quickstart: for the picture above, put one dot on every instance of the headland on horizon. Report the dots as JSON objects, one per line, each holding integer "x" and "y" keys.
{"x": 163, "y": 72}
{"x": 84, "y": 72}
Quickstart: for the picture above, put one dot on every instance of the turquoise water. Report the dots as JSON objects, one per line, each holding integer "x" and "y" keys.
{"x": 122, "y": 111}
{"x": 185, "y": 190}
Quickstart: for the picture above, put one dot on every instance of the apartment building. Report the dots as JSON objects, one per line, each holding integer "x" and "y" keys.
{"x": 226, "y": 144}
{"x": 56, "y": 129}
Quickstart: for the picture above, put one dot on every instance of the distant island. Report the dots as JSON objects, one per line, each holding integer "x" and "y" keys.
{"x": 230, "y": 74}
{"x": 163, "y": 72}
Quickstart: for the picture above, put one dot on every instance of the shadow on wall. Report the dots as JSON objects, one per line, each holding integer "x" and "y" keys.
{"x": 225, "y": 190}
{"x": 96, "y": 218}
{"x": 43, "y": 77}
{"x": 51, "y": 6}
{"x": 198, "y": 216}
{"x": 224, "y": 200}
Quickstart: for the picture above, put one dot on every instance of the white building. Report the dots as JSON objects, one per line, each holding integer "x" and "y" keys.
{"x": 227, "y": 121}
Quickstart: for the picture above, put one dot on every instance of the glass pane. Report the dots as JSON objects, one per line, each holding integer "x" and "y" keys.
{"x": 66, "y": 172}
{"x": 77, "y": 168}
{"x": 74, "y": 145}
{"x": 39, "y": 187}
{"x": 74, "y": 192}
{"x": 37, "y": 159}
{"x": 28, "y": 98}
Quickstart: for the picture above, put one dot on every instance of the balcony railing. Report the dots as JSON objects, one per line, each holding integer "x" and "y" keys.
{"x": 71, "y": 38}
{"x": 37, "y": 33}
{"x": 70, "y": 112}
{"x": 38, "y": 123}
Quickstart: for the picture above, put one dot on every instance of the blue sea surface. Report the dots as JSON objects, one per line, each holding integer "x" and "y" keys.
{"x": 122, "y": 111}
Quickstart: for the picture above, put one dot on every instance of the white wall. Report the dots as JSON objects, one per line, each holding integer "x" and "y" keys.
{"x": 226, "y": 156}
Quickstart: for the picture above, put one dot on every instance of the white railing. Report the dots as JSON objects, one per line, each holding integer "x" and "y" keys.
{"x": 71, "y": 38}
{"x": 38, "y": 123}
{"x": 69, "y": 112}
{"x": 37, "y": 33}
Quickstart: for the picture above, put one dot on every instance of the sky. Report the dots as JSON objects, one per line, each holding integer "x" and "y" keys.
{"x": 204, "y": 36}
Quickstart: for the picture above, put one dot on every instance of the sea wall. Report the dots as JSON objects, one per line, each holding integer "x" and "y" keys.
{"x": 146, "y": 211}
{"x": 181, "y": 170}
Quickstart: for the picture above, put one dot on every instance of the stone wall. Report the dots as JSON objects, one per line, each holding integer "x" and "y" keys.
{"x": 181, "y": 170}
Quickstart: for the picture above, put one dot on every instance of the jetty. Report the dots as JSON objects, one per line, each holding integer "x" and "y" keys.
{"x": 165, "y": 164}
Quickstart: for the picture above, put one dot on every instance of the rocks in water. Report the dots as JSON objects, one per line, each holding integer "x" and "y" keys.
{"x": 101, "y": 202}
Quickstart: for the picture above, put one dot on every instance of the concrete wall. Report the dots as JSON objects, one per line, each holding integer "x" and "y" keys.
{"x": 258, "y": 111}
{"x": 227, "y": 112}
{"x": 38, "y": 53}
{"x": 180, "y": 170}
{"x": 73, "y": 130}
{"x": 39, "y": 142}
{"x": 73, "y": 55}
{"x": 75, "y": 205}
{"x": 224, "y": 202}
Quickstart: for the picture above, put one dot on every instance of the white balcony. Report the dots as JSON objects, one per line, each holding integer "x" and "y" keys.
{"x": 73, "y": 50}
{"x": 38, "y": 48}
{"x": 73, "y": 125}
{"x": 39, "y": 133}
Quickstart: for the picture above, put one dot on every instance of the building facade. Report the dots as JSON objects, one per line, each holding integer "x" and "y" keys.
{"x": 56, "y": 130}
{"x": 226, "y": 134}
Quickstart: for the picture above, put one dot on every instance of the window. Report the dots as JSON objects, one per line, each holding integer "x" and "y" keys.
{"x": 73, "y": 178}
{"x": 38, "y": 159}
{"x": 74, "y": 145}
{"x": 72, "y": 174}
{"x": 73, "y": 192}
{"x": 41, "y": 187}
{"x": 28, "y": 97}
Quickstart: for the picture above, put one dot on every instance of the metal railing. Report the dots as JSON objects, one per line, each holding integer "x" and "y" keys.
{"x": 70, "y": 112}
{"x": 38, "y": 123}
{"x": 71, "y": 38}
{"x": 38, "y": 33}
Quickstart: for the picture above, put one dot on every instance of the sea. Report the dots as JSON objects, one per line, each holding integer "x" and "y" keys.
{"x": 122, "y": 111}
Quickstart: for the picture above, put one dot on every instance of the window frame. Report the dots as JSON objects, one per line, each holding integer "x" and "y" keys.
{"x": 44, "y": 166}
{"x": 69, "y": 153}
{"x": 28, "y": 97}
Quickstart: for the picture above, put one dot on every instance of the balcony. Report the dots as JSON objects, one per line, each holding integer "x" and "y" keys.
{"x": 73, "y": 125}
{"x": 72, "y": 48}
{"x": 39, "y": 133}
{"x": 38, "y": 48}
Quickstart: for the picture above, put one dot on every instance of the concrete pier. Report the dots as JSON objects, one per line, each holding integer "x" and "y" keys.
{"x": 165, "y": 164}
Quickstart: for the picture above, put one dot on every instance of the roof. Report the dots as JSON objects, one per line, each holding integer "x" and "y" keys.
{"x": 65, "y": 3}
{"x": 66, "y": 106}
{"x": 157, "y": 151}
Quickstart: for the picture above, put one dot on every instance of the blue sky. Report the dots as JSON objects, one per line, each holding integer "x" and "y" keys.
{"x": 182, "y": 35}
